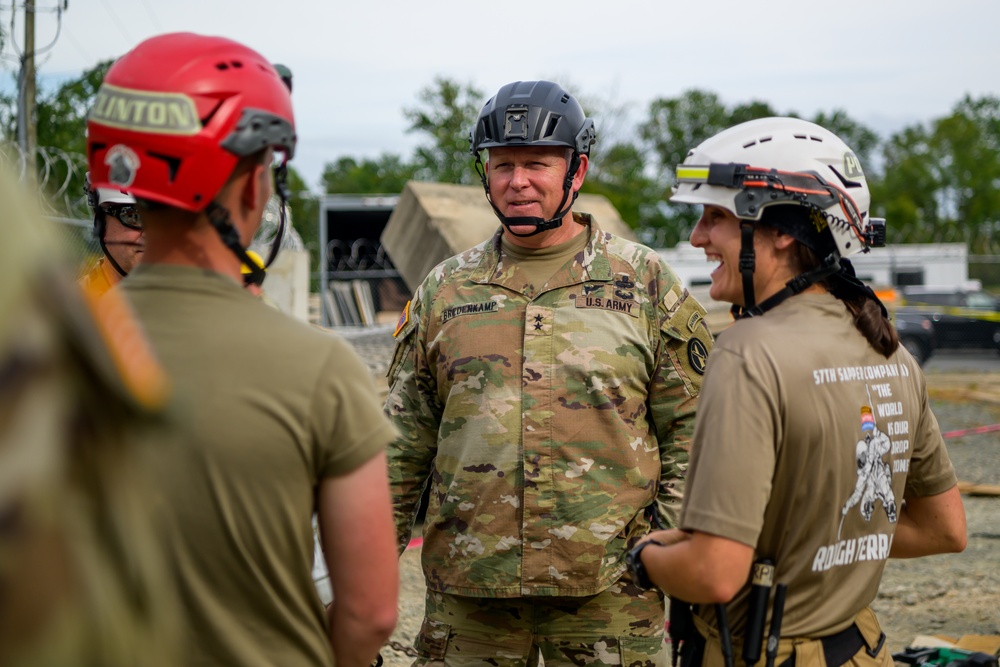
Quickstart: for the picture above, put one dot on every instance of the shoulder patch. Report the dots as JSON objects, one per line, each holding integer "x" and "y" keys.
{"x": 697, "y": 355}
{"x": 404, "y": 340}
{"x": 685, "y": 325}
{"x": 694, "y": 320}
{"x": 403, "y": 319}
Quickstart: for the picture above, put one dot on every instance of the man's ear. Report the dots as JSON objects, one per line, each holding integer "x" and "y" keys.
{"x": 581, "y": 171}
{"x": 254, "y": 184}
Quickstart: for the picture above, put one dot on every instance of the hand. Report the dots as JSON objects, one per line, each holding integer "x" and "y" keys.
{"x": 666, "y": 537}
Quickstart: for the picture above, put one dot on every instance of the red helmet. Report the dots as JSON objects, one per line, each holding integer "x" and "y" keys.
{"x": 175, "y": 114}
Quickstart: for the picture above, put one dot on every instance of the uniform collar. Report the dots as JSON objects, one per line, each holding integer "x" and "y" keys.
{"x": 595, "y": 265}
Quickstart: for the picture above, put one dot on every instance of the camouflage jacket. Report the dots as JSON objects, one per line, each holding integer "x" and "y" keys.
{"x": 544, "y": 420}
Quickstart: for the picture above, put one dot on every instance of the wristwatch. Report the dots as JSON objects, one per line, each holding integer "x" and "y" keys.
{"x": 635, "y": 566}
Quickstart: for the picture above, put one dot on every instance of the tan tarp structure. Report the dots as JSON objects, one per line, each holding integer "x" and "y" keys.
{"x": 434, "y": 221}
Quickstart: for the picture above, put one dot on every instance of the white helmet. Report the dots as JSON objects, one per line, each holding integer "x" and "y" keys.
{"x": 99, "y": 196}
{"x": 783, "y": 161}
{"x": 110, "y": 196}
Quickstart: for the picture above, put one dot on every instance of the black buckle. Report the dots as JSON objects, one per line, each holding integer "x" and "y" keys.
{"x": 872, "y": 652}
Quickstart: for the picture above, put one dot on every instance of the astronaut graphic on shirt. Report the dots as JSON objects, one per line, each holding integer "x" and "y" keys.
{"x": 874, "y": 474}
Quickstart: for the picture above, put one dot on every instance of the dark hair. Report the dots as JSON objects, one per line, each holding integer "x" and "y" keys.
{"x": 812, "y": 243}
{"x": 867, "y": 314}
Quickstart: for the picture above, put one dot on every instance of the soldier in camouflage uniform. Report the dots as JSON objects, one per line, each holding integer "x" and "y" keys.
{"x": 545, "y": 384}
{"x": 82, "y": 583}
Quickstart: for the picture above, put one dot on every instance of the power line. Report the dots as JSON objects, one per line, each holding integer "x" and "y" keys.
{"x": 118, "y": 22}
{"x": 152, "y": 17}
{"x": 79, "y": 47}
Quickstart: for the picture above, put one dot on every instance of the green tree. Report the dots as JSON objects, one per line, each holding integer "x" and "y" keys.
{"x": 305, "y": 215}
{"x": 863, "y": 141}
{"x": 62, "y": 113}
{"x": 905, "y": 196}
{"x": 940, "y": 179}
{"x": 620, "y": 174}
{"x": 675, "y": 126}
{"x": 967, "y": 144}
{"x": 61, "y": 121}
{"x": 386, "y": 174}
{"x": 448, "y": 114}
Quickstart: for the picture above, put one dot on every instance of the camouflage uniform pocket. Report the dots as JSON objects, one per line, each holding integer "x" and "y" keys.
{"x": 641, "y": 651}
{"x": 432, "y": 640}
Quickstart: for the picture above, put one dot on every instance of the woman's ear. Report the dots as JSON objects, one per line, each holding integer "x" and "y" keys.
{"x": 782, "y": 241}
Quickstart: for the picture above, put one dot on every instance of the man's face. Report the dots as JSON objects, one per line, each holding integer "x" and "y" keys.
{"x": 123, "y": 243}
{"x": 527, "y": 181}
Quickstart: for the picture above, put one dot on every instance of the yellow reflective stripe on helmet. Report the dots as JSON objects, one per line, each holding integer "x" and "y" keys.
{"x": 692, "y": 174}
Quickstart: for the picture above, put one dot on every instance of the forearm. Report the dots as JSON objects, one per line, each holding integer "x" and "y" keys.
{"x": 930, "y": 525}
{"x": 699, "y": 568}
{"x": 356, "y": 527}
{"x": 356, "y": 641}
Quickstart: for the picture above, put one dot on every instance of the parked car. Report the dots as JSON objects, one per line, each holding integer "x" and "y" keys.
{"x": 963, "y": 316}
{"x": 916, "y": 333}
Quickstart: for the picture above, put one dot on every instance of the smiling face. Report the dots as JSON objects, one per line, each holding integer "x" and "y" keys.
{"x": 718, "y": 234}
{"x": 527, "y": 181}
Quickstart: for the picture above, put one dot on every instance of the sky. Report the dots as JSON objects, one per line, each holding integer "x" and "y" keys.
{"x": 357, "y": 65}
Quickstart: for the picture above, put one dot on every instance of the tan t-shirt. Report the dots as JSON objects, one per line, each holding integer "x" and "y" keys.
{"x": 806, "y": 442}
{"x": 267, "y": 407}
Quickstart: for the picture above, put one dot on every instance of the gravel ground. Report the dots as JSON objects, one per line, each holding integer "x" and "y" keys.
{"x": 951, "y": 595}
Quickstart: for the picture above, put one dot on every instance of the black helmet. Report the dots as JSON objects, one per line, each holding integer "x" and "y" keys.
{"x": 533, "y": 113}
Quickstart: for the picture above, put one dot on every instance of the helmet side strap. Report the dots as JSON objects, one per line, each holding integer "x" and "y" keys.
{"x": 218, "y": 216}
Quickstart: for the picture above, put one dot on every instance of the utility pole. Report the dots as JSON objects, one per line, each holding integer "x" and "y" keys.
{"x": 27, "y": 132}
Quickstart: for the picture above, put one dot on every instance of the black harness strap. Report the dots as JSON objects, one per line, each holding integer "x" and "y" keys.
{"x": 795, "y": 286}
{"x": 842, "y": 646}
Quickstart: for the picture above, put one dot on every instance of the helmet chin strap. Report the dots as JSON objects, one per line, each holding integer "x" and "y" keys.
{"x": 218, "y": 216}
{"x": 540, "y": 224}
{"x": 101, "y": 226}
{"x": 795, "y": 286}
{"x": 829, "y": 266}
{"x": 747, "y": 263}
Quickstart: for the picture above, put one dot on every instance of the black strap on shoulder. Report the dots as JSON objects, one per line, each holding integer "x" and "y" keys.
{"x": 796, "y": 285}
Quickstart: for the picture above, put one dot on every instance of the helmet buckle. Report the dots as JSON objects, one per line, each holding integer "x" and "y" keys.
{"x": 516, "y": 122}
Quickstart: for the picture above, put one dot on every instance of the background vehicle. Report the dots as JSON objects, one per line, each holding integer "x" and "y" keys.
{"x": 916, "y": 333}
{"x": 963, "y": 316}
